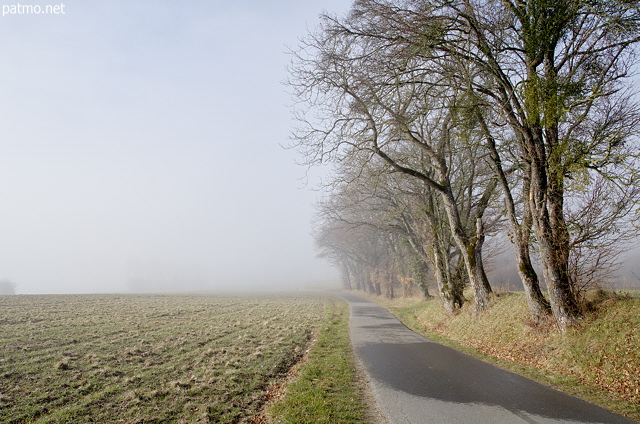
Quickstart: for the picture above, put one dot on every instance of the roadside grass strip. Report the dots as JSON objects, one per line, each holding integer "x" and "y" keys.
{"x": 597, "y": 360}
{"x": 326, "y": 390}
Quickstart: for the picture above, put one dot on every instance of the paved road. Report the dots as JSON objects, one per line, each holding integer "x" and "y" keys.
{"x": 416, "y": 380}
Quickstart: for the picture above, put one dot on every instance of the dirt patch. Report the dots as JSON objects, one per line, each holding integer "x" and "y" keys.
{"x": 278, "y": 388}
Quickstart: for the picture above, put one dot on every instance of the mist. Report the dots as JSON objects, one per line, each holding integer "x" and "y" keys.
{"x": 503, "y": 272}
{"x": 141, "y": 149}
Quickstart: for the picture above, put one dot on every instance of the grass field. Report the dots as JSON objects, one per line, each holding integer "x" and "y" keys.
{"x": 146, "y": 358}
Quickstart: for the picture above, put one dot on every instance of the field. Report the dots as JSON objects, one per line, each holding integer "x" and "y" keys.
{"x": 147, "y": 358}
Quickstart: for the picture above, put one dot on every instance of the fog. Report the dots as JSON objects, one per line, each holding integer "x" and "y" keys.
{"x": 503, "y": 273}
{"x": 141, "y": 148}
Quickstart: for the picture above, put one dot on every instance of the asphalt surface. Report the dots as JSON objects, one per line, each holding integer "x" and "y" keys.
{"x": 416, "y": 380}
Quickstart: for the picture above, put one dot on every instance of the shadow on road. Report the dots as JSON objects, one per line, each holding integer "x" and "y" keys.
{"x": 434, "y": 371}
{"x": 433, "y": 376}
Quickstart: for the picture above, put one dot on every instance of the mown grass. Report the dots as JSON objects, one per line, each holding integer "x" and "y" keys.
{"x": 326, "y": 390}
{"x": 147, "y": 358}
{"x": 598, "y": 359}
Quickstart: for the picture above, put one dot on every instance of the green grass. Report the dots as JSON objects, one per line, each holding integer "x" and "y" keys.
{"x": 148, "y": 358}
{"x": 598, "y": 360}
{"x": 326, "y": 390}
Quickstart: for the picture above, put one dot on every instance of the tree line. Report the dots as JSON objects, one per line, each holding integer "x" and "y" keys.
{"x": 453, "y": 122}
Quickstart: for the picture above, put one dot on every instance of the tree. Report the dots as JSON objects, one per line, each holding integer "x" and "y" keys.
{"x": 549, "y": 71}
{"x": 7, "y": 287}
{"x": 601, "y": 221}
{"x": 539, "y": 84}
{"x": 558, "y": 74}
{"x": 367, "y": 104}
{"x": 358, "y": 210}
{"x": 519, "y": 217}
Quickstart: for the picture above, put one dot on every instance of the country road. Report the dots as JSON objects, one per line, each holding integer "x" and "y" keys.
{"x": 416, "y": 380}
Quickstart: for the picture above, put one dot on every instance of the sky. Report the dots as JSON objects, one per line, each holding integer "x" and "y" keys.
{"x": 141, "y": 147}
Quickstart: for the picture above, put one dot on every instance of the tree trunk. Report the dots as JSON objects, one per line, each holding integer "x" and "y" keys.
{"x": 479, "y": 261}
{"x": 468, "y": 251}
{"x": 346, "y": 277}
{"x": 549, "y": 233}
{"x": 451, "y": 298}
{"x": 371, "y": 288}
{"x": 539, "y": 308}
{"x": 447, "y": 295}
{"x": 390, "y": 293}
{"x": 418, "y": 267}
{"x": 356, "y": 271}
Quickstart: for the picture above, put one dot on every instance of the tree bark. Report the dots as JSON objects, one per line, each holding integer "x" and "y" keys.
{"x": 449, "y": 296}
{"x": 467, "y": 249}
{"x": 479, "y": 261}
{"x": 539, "y": 307}
{"x": 550, "y": 234}
{"x": 346, "y": 277}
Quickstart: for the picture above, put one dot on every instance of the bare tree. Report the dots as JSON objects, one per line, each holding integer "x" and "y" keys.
{"x": 366, "y": 107}
{"x": 552, "y": 72}
{"x": 7, "y": 287}
{"x": 601, "y": 219}
{"x": 539, "y": 84}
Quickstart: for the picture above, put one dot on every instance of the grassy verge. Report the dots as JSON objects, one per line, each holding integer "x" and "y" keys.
{"x": 326, "y": 390}
{"x": 597, "y": 360}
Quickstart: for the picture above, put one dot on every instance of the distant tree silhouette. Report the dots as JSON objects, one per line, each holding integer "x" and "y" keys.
{"x": 7, "y": 287}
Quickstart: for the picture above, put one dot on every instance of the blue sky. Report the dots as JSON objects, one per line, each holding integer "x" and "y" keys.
{"x": 142, "y": 141}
